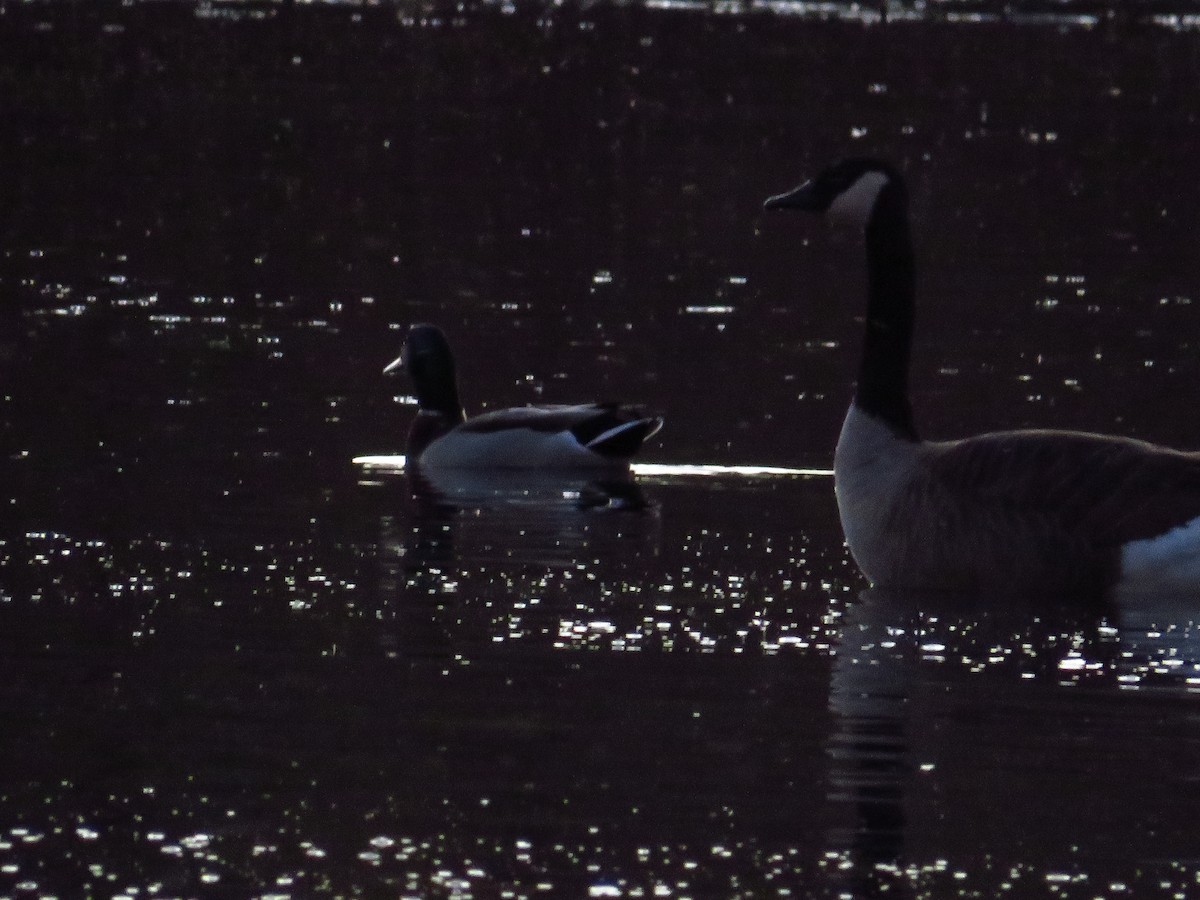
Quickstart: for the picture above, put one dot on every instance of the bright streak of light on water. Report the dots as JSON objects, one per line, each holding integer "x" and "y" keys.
{"x": 660, "y": 470}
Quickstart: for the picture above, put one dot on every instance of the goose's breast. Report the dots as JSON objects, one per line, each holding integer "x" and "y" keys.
{"x": 906, "y": 526}
{"x": 873, "y": 472}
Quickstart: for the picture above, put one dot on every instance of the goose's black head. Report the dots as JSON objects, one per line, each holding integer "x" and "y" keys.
{"x": 846, "y": 191}
{"x": 430, "y": 364}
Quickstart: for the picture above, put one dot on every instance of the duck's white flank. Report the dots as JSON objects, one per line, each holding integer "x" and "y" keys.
{"x": 513, "y": 448}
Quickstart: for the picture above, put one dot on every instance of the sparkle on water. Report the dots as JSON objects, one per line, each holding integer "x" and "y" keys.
{"x": 235, "y": 663}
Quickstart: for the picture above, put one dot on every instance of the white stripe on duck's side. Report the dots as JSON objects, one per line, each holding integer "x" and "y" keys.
{"x": 581, "y": 436}
{"x": 514, "y": 444}
{"x": 1035, "y": 511}
{"x": 514, "y": 447}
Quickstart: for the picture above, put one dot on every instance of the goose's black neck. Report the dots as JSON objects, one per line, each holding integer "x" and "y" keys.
{"x": 891, "y": 282}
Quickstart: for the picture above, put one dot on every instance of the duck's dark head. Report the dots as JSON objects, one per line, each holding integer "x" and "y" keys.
{"x": 427, "y": 358}
{"x": 846, "y": 192}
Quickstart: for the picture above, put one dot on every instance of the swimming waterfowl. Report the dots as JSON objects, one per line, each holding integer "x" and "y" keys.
{"x": 1033, "y": 510}
{"x": 585, "y": 435}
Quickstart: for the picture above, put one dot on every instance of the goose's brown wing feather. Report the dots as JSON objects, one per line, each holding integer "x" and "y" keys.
{"x": 1105, "y": 490}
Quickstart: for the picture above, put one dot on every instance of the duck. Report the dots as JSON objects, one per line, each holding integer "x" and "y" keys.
{"x": 1039, "y": 511}
{"x": 555, "y": 437}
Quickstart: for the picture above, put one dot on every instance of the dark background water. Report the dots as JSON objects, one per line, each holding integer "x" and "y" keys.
{"x": 233, "y": 663}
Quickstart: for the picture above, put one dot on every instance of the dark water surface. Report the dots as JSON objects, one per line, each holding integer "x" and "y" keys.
{"x": 234, "y": 663}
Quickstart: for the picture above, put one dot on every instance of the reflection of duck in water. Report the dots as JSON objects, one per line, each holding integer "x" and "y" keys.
{"x": 434, "y": 520}
{"x": 545, "y": 489}
{"x": 1036, "y": 511}
{"x": 589, "y": 435}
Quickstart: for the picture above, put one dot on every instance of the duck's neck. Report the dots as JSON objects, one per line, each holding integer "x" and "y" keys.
{"x": 437, "y": 402}
{"x": 883, "y": 376}
{"x": 426, "y": 428}
{"x": 439, "y": 396}
{"x": 439, "y": 411}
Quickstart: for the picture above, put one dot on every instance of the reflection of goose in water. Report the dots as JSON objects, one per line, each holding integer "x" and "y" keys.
{"x": 1041, "y": 511}
{"x": 587, "y": 435}
{"x": 869, "y": 764}
{"x": 954, "y": 716}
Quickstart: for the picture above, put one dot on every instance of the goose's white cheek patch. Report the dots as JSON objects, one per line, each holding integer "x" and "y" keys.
{"x": 852, "y": 207}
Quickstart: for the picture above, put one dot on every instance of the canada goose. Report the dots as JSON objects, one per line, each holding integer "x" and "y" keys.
{"x": 1034, "y": 510}
{"x": 587, "y": 435}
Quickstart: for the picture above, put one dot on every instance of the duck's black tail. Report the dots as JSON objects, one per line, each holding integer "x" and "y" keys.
{"x": 618, "y": 436}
